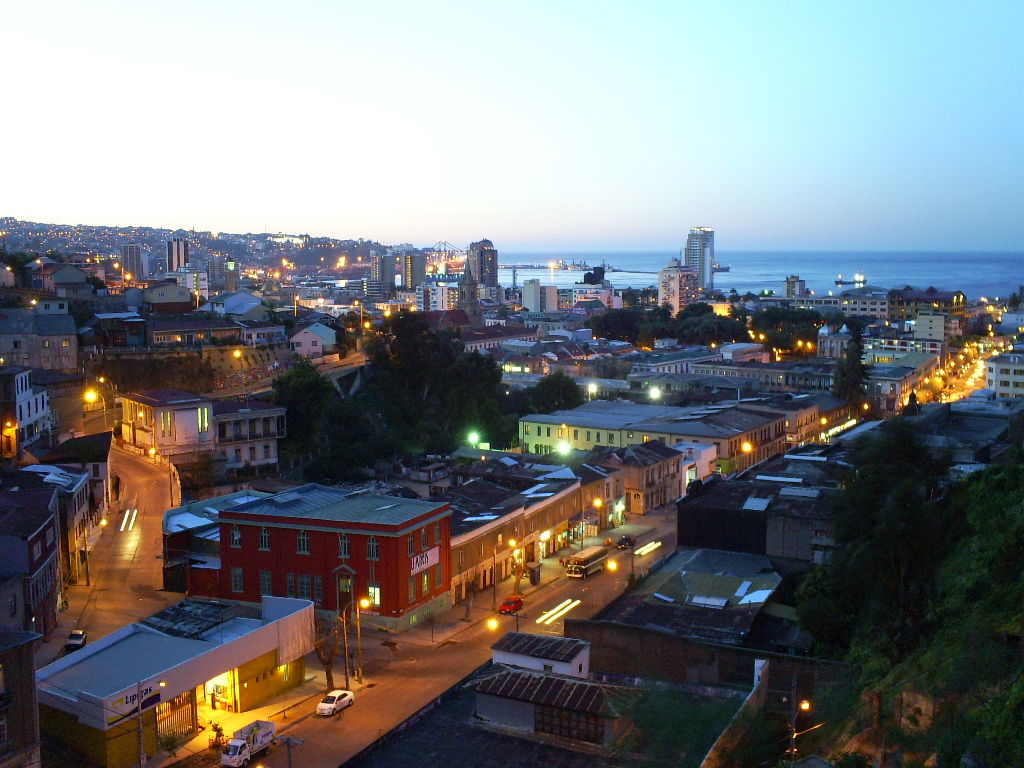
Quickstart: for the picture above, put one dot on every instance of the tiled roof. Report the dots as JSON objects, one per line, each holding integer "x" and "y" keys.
{"x": 563, "y": 692}
{"x": 22, "y": 513}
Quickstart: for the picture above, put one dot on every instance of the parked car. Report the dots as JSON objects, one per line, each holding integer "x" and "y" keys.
{"x": 511, "y": 604}
{"x": 334, "y": 702}
{"x": 76, "y": 639}
{"x": 626, "y": 542}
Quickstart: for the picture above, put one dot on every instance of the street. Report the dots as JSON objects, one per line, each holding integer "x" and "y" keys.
{"x": 406, "y": 672}
{"x": 125, "y": 565}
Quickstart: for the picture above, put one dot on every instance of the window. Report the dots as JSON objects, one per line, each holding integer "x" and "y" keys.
{"x": 266, "y": 581}
{"x": 203, "y": 415}
{"x": 49, "y": 536}
{"x": 65, "y": 342}
{"x": 252, "y": 453}
{"x": 425, "y": 582}
{"x": 236, "y": 536}
{"x": 37, "y": 550}
{"x": 166, "y": 423}
{"x": 237, "y": 582}
{"x": 372, "y": 549}
{"x": 343, "y": 546}
{"x": 437, "y": 533}
{"x": 290, "y": 585}
{"x": 412, "y": 590}
{"x": 238, "y": 455}
{"x": 437, "y": 576}
{"x": 265, "y": 539}
{"x": 373, "y": 592}
{"x": 423, "y": 538}
{"x": 318, "y": 588}
{"x": 46, "y": 343}
{"x": 303, "y": 543}
{"x": 266, "y": 451}
{"x": 410, "y": 546}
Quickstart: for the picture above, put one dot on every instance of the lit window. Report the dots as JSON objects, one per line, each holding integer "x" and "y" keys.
{"x": 373, "y": 591}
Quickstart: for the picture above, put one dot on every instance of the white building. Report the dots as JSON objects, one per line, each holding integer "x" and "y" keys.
{"x": 677, "y": 286}
{"x": 1005, "y": 375}
{"x": 539, "y": 298}
{"x": 561, "y": 655}
{"x": 699, "y": 255}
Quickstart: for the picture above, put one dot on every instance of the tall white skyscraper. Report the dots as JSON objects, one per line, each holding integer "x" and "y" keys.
{"x": 699, "y": 255}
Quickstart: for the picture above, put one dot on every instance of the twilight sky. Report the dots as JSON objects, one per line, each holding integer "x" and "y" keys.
{"x": 543, "y": 125}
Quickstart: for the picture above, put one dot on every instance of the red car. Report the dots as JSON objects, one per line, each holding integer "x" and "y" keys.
{"x": 511, "y": 604}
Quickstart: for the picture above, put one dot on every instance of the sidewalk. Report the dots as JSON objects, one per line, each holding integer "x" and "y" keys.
{"x": 385, "y": 657}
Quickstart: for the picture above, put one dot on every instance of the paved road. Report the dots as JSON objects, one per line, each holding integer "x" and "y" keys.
{"x": 406, "y": 672}
{"x": 125, "y": 565}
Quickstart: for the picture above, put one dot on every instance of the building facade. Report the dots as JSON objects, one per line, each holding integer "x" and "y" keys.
{"x": 1004, "y": 375}
{"x": 332, "y": 547}
{"x": 177, "y": 254}
{"x": 483, "y": 257}
{"x": 677, "y": 286}
{"x": 699, "y": 256}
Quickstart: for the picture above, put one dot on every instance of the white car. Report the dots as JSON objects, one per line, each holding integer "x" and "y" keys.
{"x": 335, "y": 701}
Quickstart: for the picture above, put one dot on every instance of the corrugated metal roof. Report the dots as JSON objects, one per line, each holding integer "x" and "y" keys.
{"x": 560, "y": 691}
{"x": 541, "y": 646}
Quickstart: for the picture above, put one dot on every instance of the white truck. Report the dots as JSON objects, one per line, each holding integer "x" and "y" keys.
{"x": 248, "y": 742}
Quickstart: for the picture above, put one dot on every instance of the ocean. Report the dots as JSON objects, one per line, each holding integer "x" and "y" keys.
{"x": 978, "y": 275}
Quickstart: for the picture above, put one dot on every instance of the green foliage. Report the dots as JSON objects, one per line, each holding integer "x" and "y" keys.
{"x": 556, "y": 392}
{"x": 783, "y": 327}
{"x": 850, "y": 376}
{"x": 924, "y": 595}
{"x": 695, "y": 324}
{"x": 429, "y": 392}
{"x": 306, "y": 395}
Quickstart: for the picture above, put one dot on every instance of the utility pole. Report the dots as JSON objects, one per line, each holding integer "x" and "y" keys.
{"x": 138, "y": 704}
{"x": 290, "y": 742}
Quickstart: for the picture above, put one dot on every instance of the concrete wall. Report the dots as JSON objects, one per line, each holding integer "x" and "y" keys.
{"x": 513, "y": 714}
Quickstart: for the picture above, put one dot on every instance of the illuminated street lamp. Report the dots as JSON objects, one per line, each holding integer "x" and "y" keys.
{"x": 655, "y": 393}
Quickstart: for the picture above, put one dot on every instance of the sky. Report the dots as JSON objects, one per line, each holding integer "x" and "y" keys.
{"x": 556, "y": 125}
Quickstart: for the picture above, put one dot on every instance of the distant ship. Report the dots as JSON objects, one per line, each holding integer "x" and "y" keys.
{"x": 859, "y": 281}
{"x": 720, "y": 267}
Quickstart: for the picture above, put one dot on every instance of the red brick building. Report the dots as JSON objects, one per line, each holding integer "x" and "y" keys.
{"x": 332, "y": 546}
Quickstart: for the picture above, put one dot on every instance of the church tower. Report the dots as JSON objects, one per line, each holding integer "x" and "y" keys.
{"x": 469, "y": 297}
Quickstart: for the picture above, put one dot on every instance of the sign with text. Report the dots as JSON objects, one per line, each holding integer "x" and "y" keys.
{"x": 426, "y": 559}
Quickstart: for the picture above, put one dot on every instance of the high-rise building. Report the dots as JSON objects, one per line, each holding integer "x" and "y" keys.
{"x": 177, "y": 254}
{"x": 382, "y": 270}
{"x": 215, "y": 267}
{"x": 677, "y": 286}
{"x": 131, "y": 260}
{"x": 230, "y": 275}
{"x": 795, "y": 287}
{"x": 539, "y": 298}
{"x": 699, "y": 255}
{"x": 414, "y": 268}
{"x": 484, "y": 258}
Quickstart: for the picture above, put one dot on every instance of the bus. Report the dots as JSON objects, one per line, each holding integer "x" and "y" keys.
{"x": 584, "y": 563}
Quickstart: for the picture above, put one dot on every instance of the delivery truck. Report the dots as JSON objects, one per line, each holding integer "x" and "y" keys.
{"x": 246, "y": 743}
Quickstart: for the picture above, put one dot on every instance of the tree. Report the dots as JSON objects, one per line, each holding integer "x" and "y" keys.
{"x": 556, "y": 392}
{"x": 850, "y": 374}
{"x": 328, "y": 643}
{"x": 306, "y": 395}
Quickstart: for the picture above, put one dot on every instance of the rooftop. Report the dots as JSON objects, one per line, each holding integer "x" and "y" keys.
{"x": 541, "y": 646}
{"x": 320, "y": 502}
{"x": 158, "y": 397}
{"x": 561, "y": 691}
